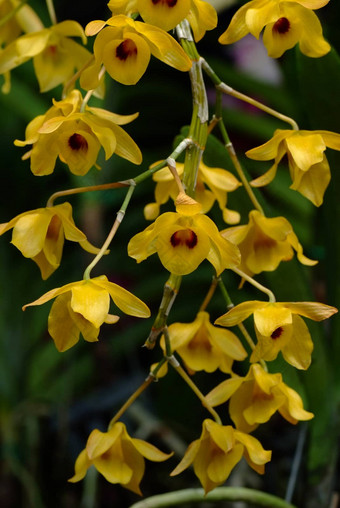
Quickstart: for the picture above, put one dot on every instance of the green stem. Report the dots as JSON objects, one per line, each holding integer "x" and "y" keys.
{"x": 116, "y": 224}
{"x": 125, "y": 183}
{"x": 131, "y": 399}
{"x": 151, "y": 377}
{"x": 210, "y": 294}
{"x": 220, "y": 86}
{"x": 175, "y": 364}
{"x": 180, "y": 497}
{"x": 168, "y": 350}
{"x": 198, "y": 131}
{"x": 232, "y": 154}
{"x": 51, "y": 11}
{"x": 79, "y": 190}
{"x": 256, "y": 284}
{"x": 170, "y": 292}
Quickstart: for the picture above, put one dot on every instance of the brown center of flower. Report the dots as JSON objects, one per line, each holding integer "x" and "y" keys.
{"x": 53, "y": 228}
{"x": 277, "y": 333}
{"x": 281, "y": 26}
{"x": 184, "y": 237}
{"x": 52, "y": 49}
{"x": 77, "y": 142}
{"x": 264, "y": 242}
{"x": 125, "y": 49}
{"x": 169, "y": 3}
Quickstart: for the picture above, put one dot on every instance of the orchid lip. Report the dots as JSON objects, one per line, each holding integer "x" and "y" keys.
{"x": 77, "y": 142}
{"x": 282, "y": 26}
{"x": 184, "y": 237}
{"x": 126, "y": 49}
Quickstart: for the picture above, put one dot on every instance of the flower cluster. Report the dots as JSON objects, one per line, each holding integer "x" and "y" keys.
{"x": 286, "y": 23}
{"x": 75, "y": 132}
{"x": 76, "y": 137}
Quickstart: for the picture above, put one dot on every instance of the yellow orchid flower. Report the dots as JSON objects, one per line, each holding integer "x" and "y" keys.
{"x": 125, "y": 46}
{"x": 10, "y": 30}
{"x": 166, "y": 14}
{"x": 76, "y": 137}
{"x": 256, "y": 397}
{"x": 217, "y": 452}
{"x": 203, "y": 346}
{"x": 82, "y": 307}
{"x": 279, "y": 327}
{"x": 308, "y": 165}
{"x": 40, "y": 234}
{"x": 265, "y": 242}
{"x": 182, "y": 240}
{"x": 286, "y": 23}
{"x": 117, "y": 456}
{"x": 55, "y": 55}
{"x": 219, "y": 182}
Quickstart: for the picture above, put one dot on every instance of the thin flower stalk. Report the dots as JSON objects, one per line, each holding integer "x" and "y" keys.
{"x": 90, "y": 92}
{"x": 175, "y": 364}
{"x": 224, "y": 88}
{"x": 152, "y": 376}
{"x": 116, "y": 224}
{"x": 218, "y": 120}
{"x": 51, "y": 11}
{"x": 256, "y": 284}
{"x": 80, "y": 190}
{"x": 210, "y": 294}
{"x": 170, "y": 292}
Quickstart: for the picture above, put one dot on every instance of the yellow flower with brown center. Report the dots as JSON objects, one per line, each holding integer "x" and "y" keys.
{"x": 117, "y": 456}
{"x": 40, "y": 234}
{"x": 76, "y": 137}
{"x": 182, "y": 241}
{"x": 256, "y": 397}
{"x": 166, "y": 14}
{"x": 82, "y": 307}
{"x": 55, "y": 56}
{"x": 203, "y": 346}
{"x": 125, "y": 46}
{"x": 286, "y": 23}
{"x": 279, "y": 327}
{"x": 308, "y": 165}
{"x": 217, "y": 452}
{"x": 219, "y": 182}
{"x": 265, "y": 242}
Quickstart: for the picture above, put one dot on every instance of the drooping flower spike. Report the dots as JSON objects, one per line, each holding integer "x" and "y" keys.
{"x": 40, "y": 234}
{"x": 219, "y": 182}
{"x": 76, "y": 137}
{"x": 203, "y": 346}
{"x": 55, "y": 55}
{"x": 279, "y": 327}
{"x": 308, "y": 165}
{"x": 286, "y": 23}
{"x": 265, "y": 242}
{"x": 256, "y": 397}
{"x": 218, "y": 450}
{"x": 117, "y": 456}
{"x": 82, "y": 307}
{"x": 125, "y": 46}
{"x": 182, "y": 240}
{"x": 166, "y": 14}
